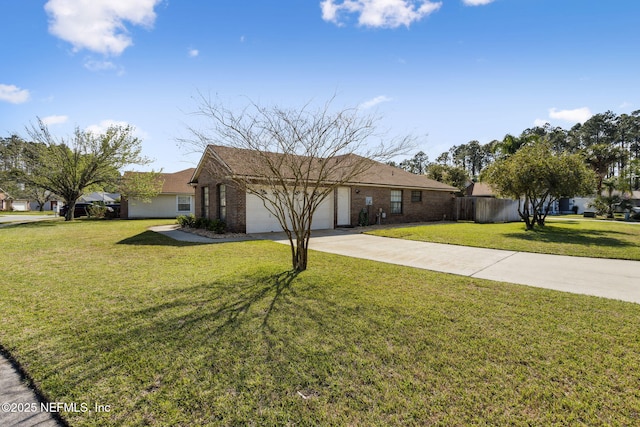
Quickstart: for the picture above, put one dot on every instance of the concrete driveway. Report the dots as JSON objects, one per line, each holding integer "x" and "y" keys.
{"x": 616, "y": 279}
{"x": 21, "y": 219}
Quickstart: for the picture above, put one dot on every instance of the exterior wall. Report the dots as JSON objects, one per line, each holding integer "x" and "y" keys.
{"x": 211, "y": 177}
{"x": 48, "y": 206}
{"x": 162, "y": 206}
{"x": 434, "y": 206}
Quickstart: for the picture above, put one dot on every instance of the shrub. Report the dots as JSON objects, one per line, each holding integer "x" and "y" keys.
{"x": 217, "y": 226}
{"x": 191, "y": 221}
{"x": 97, "y": 211}
{"x": 201, "y": 223}
{"x": 186, "y": 220}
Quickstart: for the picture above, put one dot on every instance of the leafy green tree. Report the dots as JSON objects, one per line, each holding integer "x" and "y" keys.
{"x": 601, "y": 158}
{"x": 67, "y": 167}
{"x": 444, "y": 158}
{"x": 142, "y": 186}
{"x": 599, "y": 129}
{"x": 417, "y": 164}
{"x": 451, "y": 175}
{"x": 537, "y": 177}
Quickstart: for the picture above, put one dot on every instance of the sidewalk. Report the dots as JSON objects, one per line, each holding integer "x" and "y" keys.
{"x": 20, "y": 405}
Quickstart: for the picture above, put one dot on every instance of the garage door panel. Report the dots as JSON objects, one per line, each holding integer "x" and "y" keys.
{"x": 260, "y": 220}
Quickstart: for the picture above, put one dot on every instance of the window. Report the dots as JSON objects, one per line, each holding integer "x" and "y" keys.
{"x": 184, "y": 203}
{"x": 396, "y": 201}
{"x": 416, "y": 196}
{"x": 222, "y": 202}
{"x": 205, "y": 202}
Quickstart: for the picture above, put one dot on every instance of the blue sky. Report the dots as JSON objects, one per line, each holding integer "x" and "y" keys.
{"x": 447, "y": 71}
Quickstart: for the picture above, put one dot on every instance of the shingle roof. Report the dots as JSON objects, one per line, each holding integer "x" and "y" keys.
{"x": 239, "y": 162}
{"x": 482, "y": 189}
{"x": 178, "y": 182}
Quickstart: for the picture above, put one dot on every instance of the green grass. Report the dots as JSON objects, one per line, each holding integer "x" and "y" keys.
{"x": 168, "y": 333}
{"x": 598, "y": 239}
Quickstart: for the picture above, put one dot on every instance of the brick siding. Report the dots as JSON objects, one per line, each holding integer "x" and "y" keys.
{"x": 434, "y": 206}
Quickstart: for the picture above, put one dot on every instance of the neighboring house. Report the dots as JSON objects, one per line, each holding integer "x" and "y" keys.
{"x": 479, "y": 189}
{"x": 50, "y": 205}
{"x": 8, "y": 203}
{"x": 386, "y": 193}
{"x": 575, "y": 205}
{"x": 99, "y": 196}
{"x": 176, "y": 198}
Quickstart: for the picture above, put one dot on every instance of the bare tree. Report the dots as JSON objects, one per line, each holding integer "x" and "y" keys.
{"x": 298, "y": 157}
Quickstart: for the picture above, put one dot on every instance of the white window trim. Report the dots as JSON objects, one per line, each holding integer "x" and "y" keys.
{"x": 178, "y": 203}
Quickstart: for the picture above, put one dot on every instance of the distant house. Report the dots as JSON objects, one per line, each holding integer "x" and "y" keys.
{"x": 100, "y": 197}
{"x": 385, "y": 193}
{"x": 176, "y": 198}
{"x": 8, "y": 203}
{"x": 479, "y": 189}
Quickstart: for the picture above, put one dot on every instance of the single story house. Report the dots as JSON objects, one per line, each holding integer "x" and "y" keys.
{"x": 99, "y": 196}
{"x": 176, "y": 198}
{"x": 383, "y": 194}
{"x": 8, "y": 203}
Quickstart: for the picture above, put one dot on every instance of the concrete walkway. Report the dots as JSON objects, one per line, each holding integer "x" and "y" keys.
{"x": 19, "y": 405}
{"x": 615, "y": 279}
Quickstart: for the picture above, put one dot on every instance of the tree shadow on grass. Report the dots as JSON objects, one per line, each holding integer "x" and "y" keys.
{"x": 45, "y": 223}
{"x": 206, "y": 316}
{"x": 151, "y": 238}
{"x": 550, "y": 234}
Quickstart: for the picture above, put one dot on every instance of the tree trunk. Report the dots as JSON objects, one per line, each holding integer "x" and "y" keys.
{"x": 300, "y": 252}
{"x": 71, "y": 207}
{"x": 524, "y": 213}
{"x": 300, "y": 260}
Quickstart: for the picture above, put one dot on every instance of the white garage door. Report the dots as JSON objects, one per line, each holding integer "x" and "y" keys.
{"x": 19, "y": 205}
{"x": 260, "y": 220}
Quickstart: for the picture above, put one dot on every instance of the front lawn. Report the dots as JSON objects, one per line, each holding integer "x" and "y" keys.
{"x": 597, "y": 239}
{"x": 169, "y": 333}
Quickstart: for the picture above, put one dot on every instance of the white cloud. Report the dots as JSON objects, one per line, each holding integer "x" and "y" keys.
{"x": 193, "y": 53}
{"x": 13, "y": 94}
{"x": 98, "y": 25}
{"x": 54, "y": 120}
{"x": 579, "y": 115}
{"x": 540, "y": 122}
{"x": 105, "y": 124}
{"x": 379, "y": 13}
{"x": 373, "y": 102}
{"x": 93, "y": 65}
{"x": 477, "y": 2}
